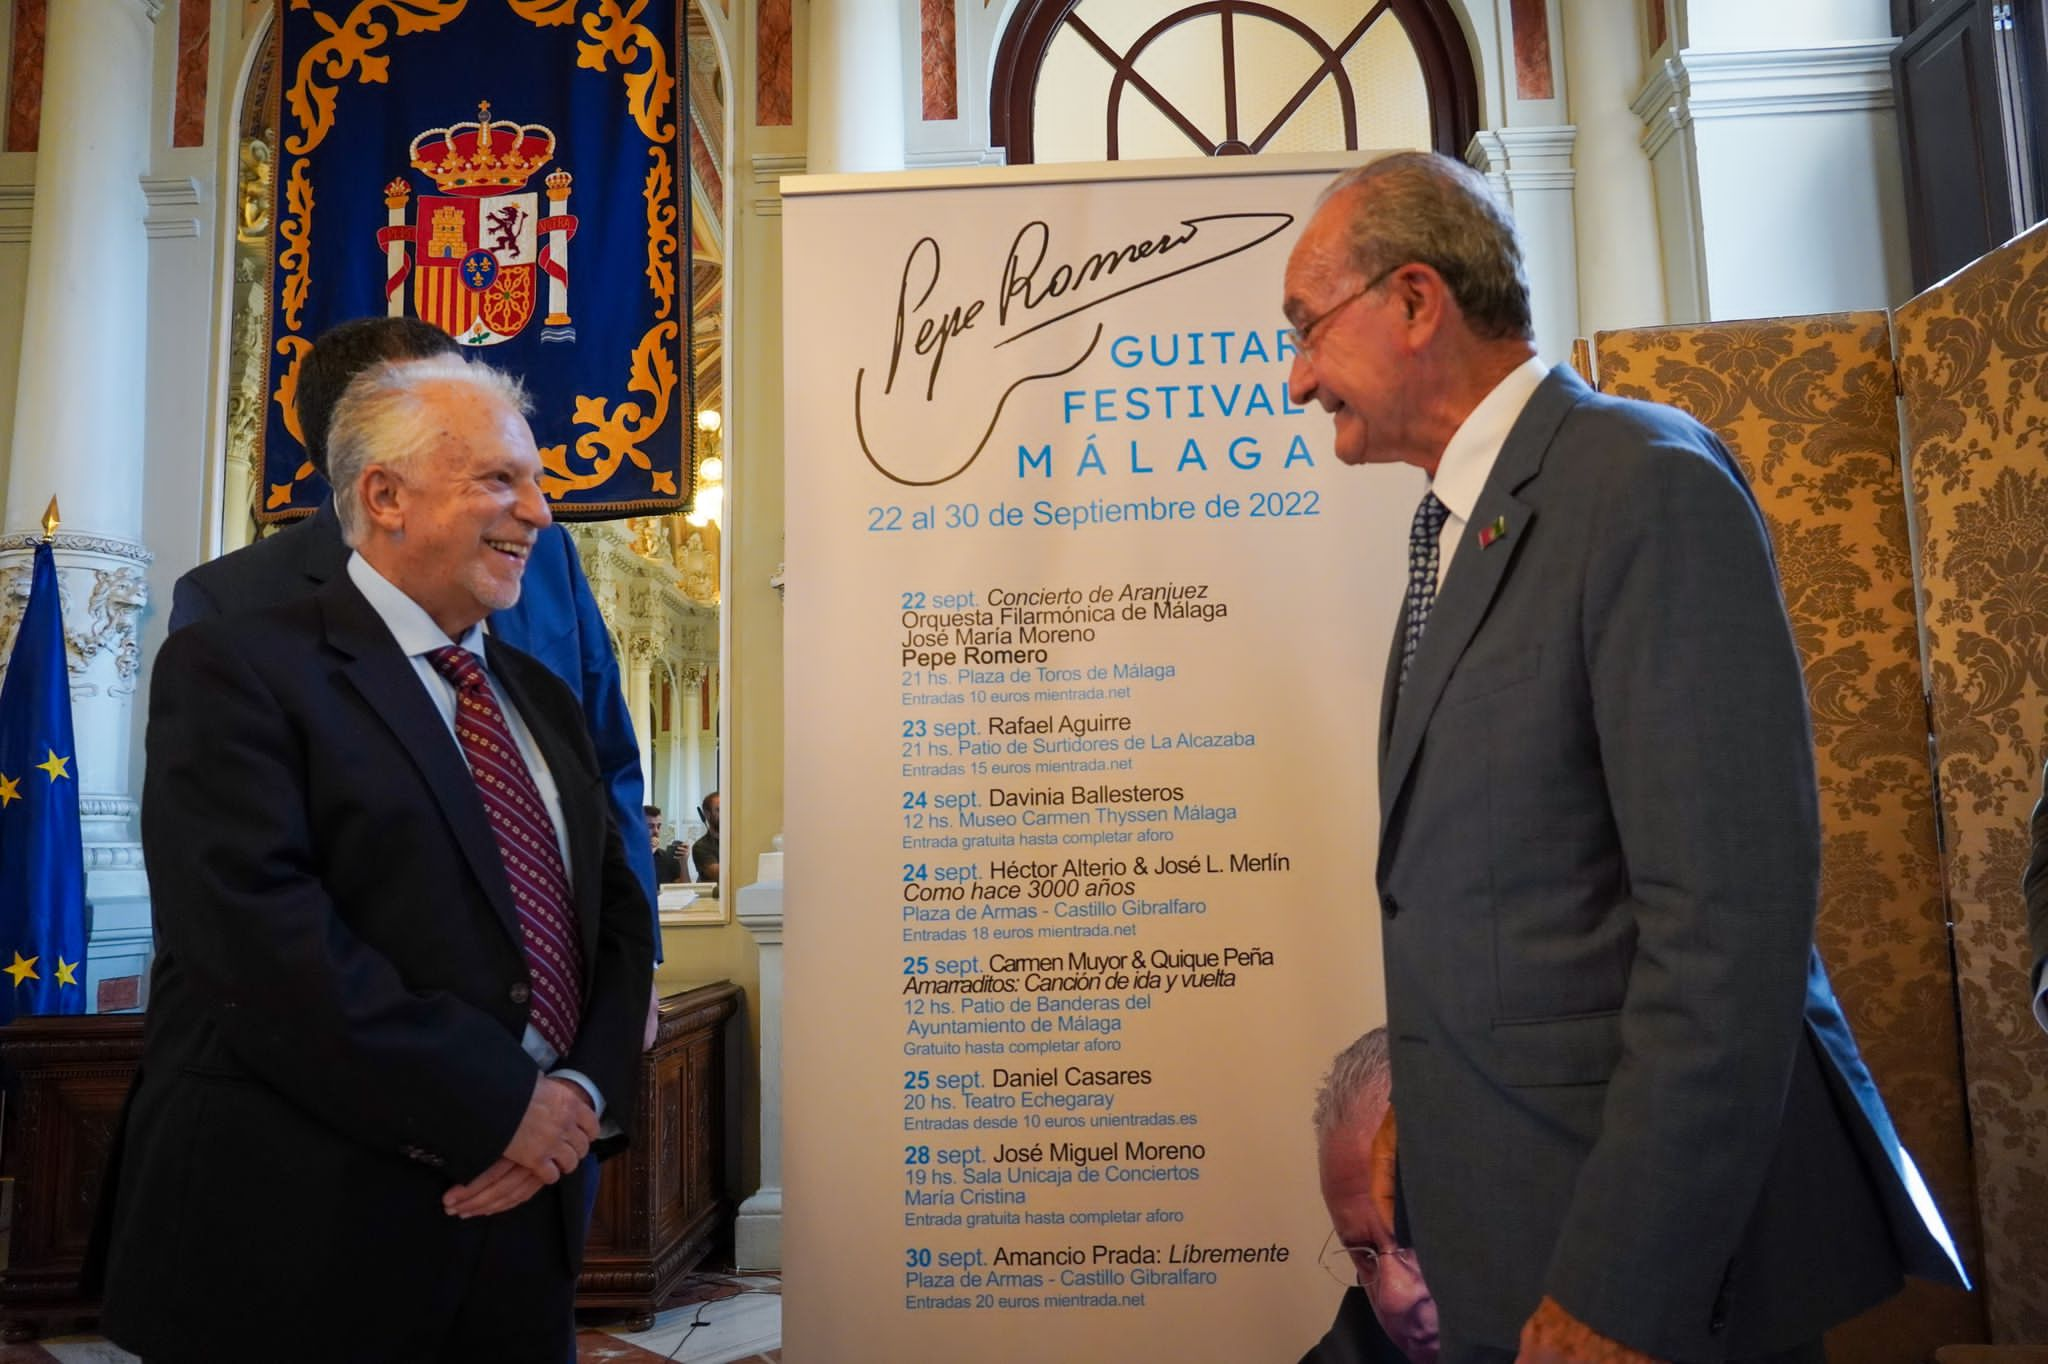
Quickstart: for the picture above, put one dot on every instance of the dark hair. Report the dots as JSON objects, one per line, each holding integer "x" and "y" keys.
{"x": 1425, "y": 207}
{"x": 347, "y": 349}
{"x": 646, "y": 810}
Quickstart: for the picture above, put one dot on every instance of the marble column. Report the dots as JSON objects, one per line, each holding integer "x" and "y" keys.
{"x": 78, "y": 436}
{"x": 689, "y": 765}
{"x": 640, "y": 654}
{"x": 1530, "y": 168}
{"x": 757, "y": 1233}
{"x": 1773, "y": 145}
{"x": 1621, "y": 272}
{"x": 855, "y": 85}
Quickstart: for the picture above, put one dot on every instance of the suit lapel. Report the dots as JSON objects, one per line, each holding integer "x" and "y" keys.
{"x": 386, "y": 679}
{"x": 1475, "y": 576}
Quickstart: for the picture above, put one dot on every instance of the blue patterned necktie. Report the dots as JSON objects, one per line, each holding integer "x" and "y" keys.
{"x": 1422, "y": 561}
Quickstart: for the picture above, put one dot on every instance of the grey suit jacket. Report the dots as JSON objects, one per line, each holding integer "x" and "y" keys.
{"x": 1622, "y": 1076}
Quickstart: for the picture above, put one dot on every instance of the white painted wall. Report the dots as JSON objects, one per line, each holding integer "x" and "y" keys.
{"x": 1777, "y": 176}
{"x": 1802, "y": 211}
{"x": 1755, "y": 25}
{"x": 1621, "y": 271}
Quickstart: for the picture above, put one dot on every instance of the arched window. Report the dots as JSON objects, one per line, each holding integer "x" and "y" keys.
{"x": 1083, "y": 80}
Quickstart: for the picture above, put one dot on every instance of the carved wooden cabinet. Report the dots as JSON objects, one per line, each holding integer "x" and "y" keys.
{"x": 662, "y": 1203}
{"x": 660, "y": 1208}
{"x": 65, "y": 1078}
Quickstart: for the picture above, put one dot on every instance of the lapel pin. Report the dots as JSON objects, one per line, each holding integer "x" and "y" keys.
{"x": 1497, "y": 531}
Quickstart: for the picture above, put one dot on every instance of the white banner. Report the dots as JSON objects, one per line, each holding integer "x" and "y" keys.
{"x": 1086, "y": 630}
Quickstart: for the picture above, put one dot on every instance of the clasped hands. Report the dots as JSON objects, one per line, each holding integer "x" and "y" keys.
{"x": 552, "y": 1139}
{"x": 1551, "y": 1335}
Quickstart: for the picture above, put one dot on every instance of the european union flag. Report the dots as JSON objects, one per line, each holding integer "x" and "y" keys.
{"x": 42, "y": 856}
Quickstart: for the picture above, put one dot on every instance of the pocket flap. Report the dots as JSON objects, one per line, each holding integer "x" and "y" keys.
{"x": 1582, "y": 1049}
{"x": 1484, "y": 674}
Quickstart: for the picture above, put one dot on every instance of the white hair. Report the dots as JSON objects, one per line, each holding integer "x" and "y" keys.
{"x": 1361, "y": 1075}
{"x": 382, "y": 418}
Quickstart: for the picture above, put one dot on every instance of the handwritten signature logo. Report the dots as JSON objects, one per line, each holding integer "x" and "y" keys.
{"x": 915, "y": 432}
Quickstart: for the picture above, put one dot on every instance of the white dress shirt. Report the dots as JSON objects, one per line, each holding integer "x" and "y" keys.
{"x": 1469, "y": 458}
{"x": 418, "y": 636}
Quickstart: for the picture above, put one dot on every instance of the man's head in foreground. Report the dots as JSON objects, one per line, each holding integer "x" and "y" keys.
{"x": 437, "y": 484}
{"x": 1409, "y": 303}
{"x": 1349, "y": 1107}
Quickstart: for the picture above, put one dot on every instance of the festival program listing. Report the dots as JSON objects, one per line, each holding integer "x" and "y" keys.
{"x": 1007, "y": 628}
{"x": 997, "y": 1185}
{"x": 1015, "y": 704}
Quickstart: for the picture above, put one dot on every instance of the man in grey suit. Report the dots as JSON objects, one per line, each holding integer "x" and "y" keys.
{"x": 1634, "y": 1124}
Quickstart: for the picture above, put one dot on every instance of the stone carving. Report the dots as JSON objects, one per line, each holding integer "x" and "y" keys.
{"x": 106, "y": 626}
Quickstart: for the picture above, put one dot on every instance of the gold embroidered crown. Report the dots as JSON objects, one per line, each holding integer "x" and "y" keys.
{"x": 484, "y": 157}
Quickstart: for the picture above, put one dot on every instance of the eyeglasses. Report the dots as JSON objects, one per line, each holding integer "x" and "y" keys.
{"x": 1300, "y": 335}
{"x": 1360, "y": 1264}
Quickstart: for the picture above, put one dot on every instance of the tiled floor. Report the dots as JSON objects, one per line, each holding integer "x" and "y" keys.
{"x": 714, "y": 1319}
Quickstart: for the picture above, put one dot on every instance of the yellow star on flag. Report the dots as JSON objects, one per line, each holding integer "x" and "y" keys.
{"x": 10, "y": 789}
{"x": 55, "y": 765}
{"x": 67, "y": 972}
{"x": 22, "y": 970}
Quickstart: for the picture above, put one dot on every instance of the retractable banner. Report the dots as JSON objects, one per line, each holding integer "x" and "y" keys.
{"x": 1086, "y": 634}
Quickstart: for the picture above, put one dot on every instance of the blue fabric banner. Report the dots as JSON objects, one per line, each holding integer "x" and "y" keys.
{"x": 512, "y": 171}
{"x": 42, "y": 855}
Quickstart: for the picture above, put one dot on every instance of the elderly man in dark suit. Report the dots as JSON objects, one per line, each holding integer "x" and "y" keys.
{"x": 1633, "y": 1122}
{"x": 403, "y": 961}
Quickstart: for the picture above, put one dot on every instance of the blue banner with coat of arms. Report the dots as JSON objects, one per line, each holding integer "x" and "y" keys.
{"x": 513, "y": 172}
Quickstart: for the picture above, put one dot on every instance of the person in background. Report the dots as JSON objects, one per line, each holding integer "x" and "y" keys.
{"x": 668, "y": 863}
{"x": 704, "y": 852}
{"x": 1387, "y": 1315}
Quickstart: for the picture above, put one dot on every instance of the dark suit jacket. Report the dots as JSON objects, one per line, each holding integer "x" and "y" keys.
{"x": 1355, "y": 1336}
{"x": 339, "y": 990}
{"x": 1623, "y": 1078}
{"x": 556, "y": 620}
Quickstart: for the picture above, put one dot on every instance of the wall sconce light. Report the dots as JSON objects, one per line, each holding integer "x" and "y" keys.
{"x": 709, "y": 503}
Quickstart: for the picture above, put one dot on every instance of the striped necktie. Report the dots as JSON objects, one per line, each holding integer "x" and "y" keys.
{"x": 526, "y": 845}
{"x": 1422, "y": 562}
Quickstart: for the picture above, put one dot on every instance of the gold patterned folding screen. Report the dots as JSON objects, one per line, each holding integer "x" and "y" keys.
{"x": 1973, "y": 357}
{"x": 1806, "y": 405}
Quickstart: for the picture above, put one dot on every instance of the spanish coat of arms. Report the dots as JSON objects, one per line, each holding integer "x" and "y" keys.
{"x": 480, "y": 248}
